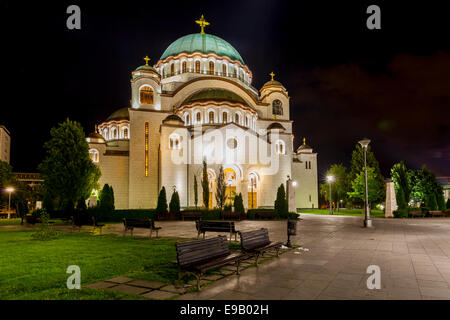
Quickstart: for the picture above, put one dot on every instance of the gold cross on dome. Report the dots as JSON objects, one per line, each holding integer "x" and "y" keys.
{"x": 272, "y": 75}
{"x": 202, "y": 23}
{"x": 304, "y": 141}
{"x": 147, "y": 59}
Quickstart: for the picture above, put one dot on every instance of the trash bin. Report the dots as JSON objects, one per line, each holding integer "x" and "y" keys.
{"x": 291, "y": 231}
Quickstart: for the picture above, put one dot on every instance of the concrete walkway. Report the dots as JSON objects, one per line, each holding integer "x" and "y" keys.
{"x": 413, "y": 255}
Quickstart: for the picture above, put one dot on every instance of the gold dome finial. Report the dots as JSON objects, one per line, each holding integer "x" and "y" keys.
{"x": 271, "y": 75}
{"x": 147, "y": 59}
{"x": 304, "y": 141}
{"x": 96, "y": 128}
{"x": 202, "y": 23}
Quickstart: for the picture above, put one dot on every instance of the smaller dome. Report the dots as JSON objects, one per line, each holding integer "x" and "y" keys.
{"x": 173, "y": 118}
{"x": 95, "y": 135}
{"x": 275, "y": 125}
{"x": 214, "y": 94}
{"x": 121, "y": 114}
{"x": 146, "y": 68}
{"x": 272, "y": 83}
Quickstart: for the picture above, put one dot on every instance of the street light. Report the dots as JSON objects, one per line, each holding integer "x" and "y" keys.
{"x": 10, "y": 190}
{"x": 330, "y": 180}
{"x": 367, "y": 222}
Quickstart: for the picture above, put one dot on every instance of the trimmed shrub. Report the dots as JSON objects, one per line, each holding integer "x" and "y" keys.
{"x": 401, "y": 213}
{"x": 174, "y": 205}
{"x": 281, "y": 205}
{"x": 441, "y": 202}
{"x": 162, "y": 202}
{"x": 239, "y": 204}
{"x": 213, "y": 214}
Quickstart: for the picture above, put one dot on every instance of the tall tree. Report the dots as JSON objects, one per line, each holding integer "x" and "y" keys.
{"x": 221, "y": 187}
{"x": 375, "y": 193}
{"x": 281, "y": 204}
{"x": 67, "y": 169}
{"x": 399, "y": 175}
{"x": 424, "y": 184}
{"x": 195, "y": 191}
{"x": 205, "y": 185}
{"x": 161, "y": 207}
{"x": 357, "y": 165}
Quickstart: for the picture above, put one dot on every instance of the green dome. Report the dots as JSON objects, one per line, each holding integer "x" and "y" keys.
{"x": 121, "y": 114}
{"x": 206, "y": 43}
{"x": 214, "y": 95}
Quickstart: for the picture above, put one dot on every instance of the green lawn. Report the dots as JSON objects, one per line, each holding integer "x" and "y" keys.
{"x": 32, "y": 269}
{"x": 344, "y": 212}
{"x": 10, "y": 222}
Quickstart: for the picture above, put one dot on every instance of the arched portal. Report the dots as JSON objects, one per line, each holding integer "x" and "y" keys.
{"x": 230, "y": 181}
{"x": 253, "y": 181}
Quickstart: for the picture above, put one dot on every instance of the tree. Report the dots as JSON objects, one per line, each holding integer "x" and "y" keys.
{"x": 448, "y": 203}
{"x": 221, "y": 196}
{"x": 423, "y": 184}
{"x": 375, "y": 193}
{"x": 195, "y": 191}
{"x": 399, "y": 175}
{"x": 47, "y": 203}
{"x": 357, "y": 165}
{"x": 174, "y": 205}
{"x": 161, "y": 207}
{"x": 239, "y": 204}
{"x": 106, "y": 200}
{"x": 205, "y": 185}
{"x": 340, "y": 186}
{"x": 281, "y": 204}
{"x": 67, "y": 169}
{"x": 6, "y": 180}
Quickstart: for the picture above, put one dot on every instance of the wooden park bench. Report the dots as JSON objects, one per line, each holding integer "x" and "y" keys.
{"x": 257, "y": 242}
{"x": 436, "y": 213}
{"x": 416, "y": 214}
{"x": 198, "y": 256}
{"x": 215, "y": 226}
{"x": 84, "y": 220}
{"x": 265, "y": 215}
{"x": 191, "y": 214}
{"x": 131, "y": 223}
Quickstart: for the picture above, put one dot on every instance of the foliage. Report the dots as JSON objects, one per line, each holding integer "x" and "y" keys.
{"x": 221, "y": 196}
{"x": 399, "y": 175}
{"x": 205, "y": 185}
{"x": 281, "y": 204}
{"x": 239, "y": 204}
{"x": 431, "y": 202}
{"x": 106, "y": 202}
{"x": 44, "y": 232}
{"x": 161, "y": 207}
{"x": 340, "y": 186}
{"x": 174, "y": 205}
{"x": 67, "y": 169}
{"x": 213, "y": 214}
{"x": 401, "y": 213}
{"x": 423, "y": 184}
{"x": 448, "y": 203}
{"x": 195, "y": 191}
{"x": 357, "y": 166}
{"x": 375, "y": 192}
{"x": 47, "y": 202}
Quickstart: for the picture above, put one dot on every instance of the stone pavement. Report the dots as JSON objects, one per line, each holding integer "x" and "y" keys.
{"x": 413, "y": 255}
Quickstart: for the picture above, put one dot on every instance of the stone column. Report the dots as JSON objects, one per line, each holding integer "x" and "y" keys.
{"x": 290, "y": 195}
{"x": 391, "y": 201}
{"x": 244, "y": 191}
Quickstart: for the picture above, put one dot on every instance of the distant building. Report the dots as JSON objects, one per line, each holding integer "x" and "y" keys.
{"x": 5, "y": 144}
{"x": 445, "y": 182}
{"x": 31, "y": 179}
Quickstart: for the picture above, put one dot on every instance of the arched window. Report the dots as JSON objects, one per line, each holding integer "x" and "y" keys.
{"x": 211, "y": 67}
{"x": 246, "y": 121}
{"x": 197, "y": 66}
{"x": 280, "y": 147}
{"x": 236, "y": 118}
{"x": 184, "y": 66}
{"x": 211, "y": 117}
{"x": 146, "y": 95}
{"x": 113, "y": 133}
{"x": 125, "y": 133}
{"x": 234, "y": 73}
{"x": 199, "y": 117}
{"x": 277, "y": 107}
{"x": 224, "y": 117}
{"x": 105, "y": 134}
{"x": 172, "y": 69}
{"x": 174, "y": 142}
{"x": 224, "y": 69}
{"x": 94, "y": 155}
{"x": 186, "y": 122}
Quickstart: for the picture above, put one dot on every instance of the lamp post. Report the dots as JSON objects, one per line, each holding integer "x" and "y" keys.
{"x": 330, "y": 180}
{"x": 10, "y": 190}
{"x": 367, "y": 222}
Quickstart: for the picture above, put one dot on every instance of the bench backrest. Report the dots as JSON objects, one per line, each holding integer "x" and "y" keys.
{"x": 254, "y": 239}
{"x": 139, "y": 223}
{"x": 226, "y": 226}
{"x": 199, "y": 251}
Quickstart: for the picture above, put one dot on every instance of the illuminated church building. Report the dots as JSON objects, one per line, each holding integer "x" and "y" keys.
{"x": 201, "y": 89}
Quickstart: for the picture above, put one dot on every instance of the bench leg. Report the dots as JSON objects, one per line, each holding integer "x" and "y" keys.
{"x": 131, "y": 231}
{"x": 238, "y": 263}
{"x": 257, "y": 258}
{"x": 151, "y": 231}
{"x": 124, "y": 231}
{"x": 198, "y": 235}
{"x": 204, "y": 235}
{"x": 157, "y": 233}
{"x": 198, "y": 276}
{"x": 278, "y": 252}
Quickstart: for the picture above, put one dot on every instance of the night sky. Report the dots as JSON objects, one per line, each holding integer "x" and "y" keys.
{"x": 346, "y": 82}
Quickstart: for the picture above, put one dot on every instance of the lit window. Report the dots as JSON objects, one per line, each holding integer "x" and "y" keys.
{"x": 146, "y": 95}
{"x": 94, "y": 155}
{"x": 234, "y": 73}
{"x": 236, "y": 118}
{"x": 224, "y": 69}
{"x": 197, "y": 66}
{"x": 199, "y": 117}
{"x": 211, "y": 117}
{"x": 224, "y": 117}
{"x": 186, "y": 122}
{"x": 211, "y": 67}
{"x": 174, "y": 142}
{"x": 113, "y": 133}
{"x": 184, "y": 66}
{"x": 124, "y": 133}
{"x": 280, "y": 148}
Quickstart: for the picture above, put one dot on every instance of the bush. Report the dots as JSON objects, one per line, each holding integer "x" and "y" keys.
{"x": 161, "y": 207}
{"x": 293, "y": 215}
{"x": 448, "y": 203}
{"x": 401, "y": 213}
{"x": 44, "y": 232}
{"x": 281, "y": 205}
{"x": 441, "y": 202}
{"x": 213, "y": 214}
{"x": 37, "y": 212}
{"x": 251, "y": 213}
{"x": 106, "y": 200}
{"x": 239, "y": 204}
